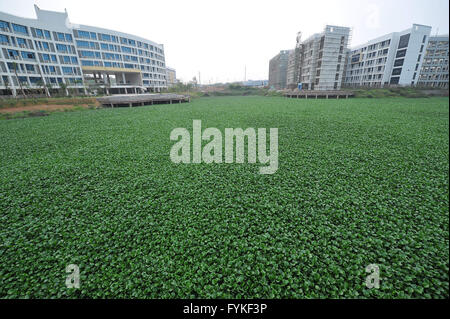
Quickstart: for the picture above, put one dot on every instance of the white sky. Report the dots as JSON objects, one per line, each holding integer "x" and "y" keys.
{"x": 220, "y": 38}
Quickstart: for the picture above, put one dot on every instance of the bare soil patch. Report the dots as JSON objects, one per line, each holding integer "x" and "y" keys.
{"x": 42, "y": 107}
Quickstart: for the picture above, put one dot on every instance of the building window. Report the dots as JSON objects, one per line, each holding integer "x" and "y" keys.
{"x": 401, "y": 53}
{"x": 395, "y": 80}
{"x": 84, "y": 34}
{"x": 87, "y": 54}
{"x": 105, "y": 37}
{"x": 21, "y": 42}
{"x": 87, "y": 63}
{"x": 404, "y": 41}
{"x": 399, "y": 62}
{"x": 4, "y": 39}
{"x": 61, "y": 47}
{"x": 67, "y": 70}
{"x": 29, "y": 67}
{"x": 28, "y": 55}
{"x": 82, "y": 44}
{"x": 4, "y": 25}
{"x": 39, "y": 33}
{"x": 126, "y": 49}
{"x": 60, "y": 36}
{"x": 397, "y": 71}
{"x": 20, "y": 28}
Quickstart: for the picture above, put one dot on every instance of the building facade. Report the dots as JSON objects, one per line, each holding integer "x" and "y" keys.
{"x": 434, "y": 71}
{"x": 171, "y": 77}
{"x": 320, "y": 59}
{"x": 278, "y": 70}
{"x": 393, "y": 59}
{"x": 291, "y": 79}
{"x": 255, "y": 83}
{"x": 50, "y": 51}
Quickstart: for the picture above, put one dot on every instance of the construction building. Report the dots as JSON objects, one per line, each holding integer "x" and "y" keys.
{"x": 171, "y": 77}
{"x": 318, "y": 62}
{"x": 434, "y": 71}
{"x": 278, "y": 70}
{"x": 52, "y": 52}
{"x": 392, "y": 59}
{"x": 291, "y": 74}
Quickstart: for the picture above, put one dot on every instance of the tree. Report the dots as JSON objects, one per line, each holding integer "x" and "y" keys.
{"x": 46, "y": 91}
{"x": 6, "y": 81}
{"x": 41, "y": 85}
{"x": 63, "y": 87}
{"x": 49, "y": 87}
{"x": 79, "y": 83}
{"x": 17, "y": 78}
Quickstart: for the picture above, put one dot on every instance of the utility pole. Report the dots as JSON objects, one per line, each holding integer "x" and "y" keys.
{"x": 199, "y": 81}
{"x": 245, "y": 73}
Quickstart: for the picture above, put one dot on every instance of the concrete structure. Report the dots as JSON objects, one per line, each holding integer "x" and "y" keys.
{"x": 171, "y": 77}
{"x": 434, "y": 71}
{"x": 50, "y": 50}
{"x": 392, "y": 59}
{"x": 318, "y": 62}
{"x": 131, "y": 100}
{"x": 278, "y": 70}
{"x": 322, "y": 94}
{"x": 291, "y": 74}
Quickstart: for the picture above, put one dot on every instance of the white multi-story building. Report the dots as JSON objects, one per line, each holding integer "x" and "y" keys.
{"x": 318, "y": 62}
{"x": 50, "y": 50}
{"x": 434, "y": 72}
{"x": 393, "y": 59}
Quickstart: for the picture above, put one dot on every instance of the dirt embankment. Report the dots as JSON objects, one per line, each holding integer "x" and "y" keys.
{"x": 43, "y": 107}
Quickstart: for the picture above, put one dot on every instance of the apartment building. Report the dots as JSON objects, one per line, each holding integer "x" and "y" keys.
{"x": 291, "y": 75}
{"x": 50, "y": 51}
{"x": 171, "y": 76}
{"x": 434, "y": 71}
{"x": 278, "y": 70}
{"x": 392, "y": 59}
{"x": 320, "y": 59}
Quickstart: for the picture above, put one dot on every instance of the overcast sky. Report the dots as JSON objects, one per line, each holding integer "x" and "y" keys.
{"x": 220, "y": 38}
